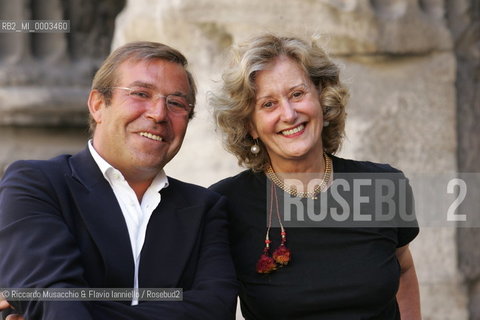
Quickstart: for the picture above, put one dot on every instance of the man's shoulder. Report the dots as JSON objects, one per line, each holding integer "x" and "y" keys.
{"x": 56, "y": 164}
{"x": 54, "y": 170}
{"x": 40, "y": 177}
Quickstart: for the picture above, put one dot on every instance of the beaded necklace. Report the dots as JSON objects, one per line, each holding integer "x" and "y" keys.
{"x": 282, "y": 255}
{"x": 293, "y": 191}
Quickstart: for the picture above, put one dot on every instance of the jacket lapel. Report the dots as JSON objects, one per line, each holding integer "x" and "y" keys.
{"x": 103, "y": 217}
{"x": 172, "y": 233}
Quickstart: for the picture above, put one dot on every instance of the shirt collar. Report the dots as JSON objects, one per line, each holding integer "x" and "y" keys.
{"x": 159, "y": 182}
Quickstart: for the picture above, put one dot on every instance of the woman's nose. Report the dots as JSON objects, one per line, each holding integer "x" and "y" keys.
{"x": 289, "y": 113}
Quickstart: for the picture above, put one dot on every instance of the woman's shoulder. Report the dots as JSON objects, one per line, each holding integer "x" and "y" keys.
{"x": 244, "y": 179}
{"x": 356, "y": 166}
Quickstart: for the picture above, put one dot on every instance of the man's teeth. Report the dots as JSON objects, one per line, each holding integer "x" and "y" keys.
{"x": 151, "y": 136}
{"x": 294, "y": 130}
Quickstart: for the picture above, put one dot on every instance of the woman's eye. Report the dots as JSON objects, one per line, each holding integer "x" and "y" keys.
{"x": 298, "y": 94}
{"x": 268, "y": 104}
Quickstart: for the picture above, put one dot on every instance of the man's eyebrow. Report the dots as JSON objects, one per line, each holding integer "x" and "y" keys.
{"x": 147, "y": 85}
{"x": 180, "y": 94}
{"x": 142, "y": 84}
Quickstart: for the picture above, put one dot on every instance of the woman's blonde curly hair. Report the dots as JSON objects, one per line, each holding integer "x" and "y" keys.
{"x": 234, "y": 102}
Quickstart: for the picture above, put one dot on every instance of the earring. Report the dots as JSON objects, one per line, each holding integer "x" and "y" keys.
{"x": 326, "y": 123}
{"x": 255, "y": 148}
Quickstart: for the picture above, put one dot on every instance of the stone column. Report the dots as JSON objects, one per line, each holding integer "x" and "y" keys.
{"x": 45, "y": 77}
{"x": 13, "y": 47}
{"x": 464, "y": 22}
{"x": 398, "y": 59}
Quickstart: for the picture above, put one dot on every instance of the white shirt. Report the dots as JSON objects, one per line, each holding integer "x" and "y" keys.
{"x": 136, "y": 214}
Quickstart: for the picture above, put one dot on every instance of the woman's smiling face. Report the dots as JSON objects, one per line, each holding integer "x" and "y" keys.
{"x": 288, "y": 117}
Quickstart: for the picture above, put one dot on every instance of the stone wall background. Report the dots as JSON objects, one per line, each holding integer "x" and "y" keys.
{"x": 413, "y": 67}
{"x": 45, "y": 77}
{"x": 464, "y": 22}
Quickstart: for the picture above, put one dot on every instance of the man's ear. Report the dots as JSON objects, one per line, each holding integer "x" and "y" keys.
{"x": 96, "y": 105}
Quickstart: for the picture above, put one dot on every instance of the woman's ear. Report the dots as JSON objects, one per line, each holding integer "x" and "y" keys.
{"x": 96, "y": 104}
{"x": 252, "y": 131}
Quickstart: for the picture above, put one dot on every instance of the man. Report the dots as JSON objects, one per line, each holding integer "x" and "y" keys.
{"x": 108, "y": 217}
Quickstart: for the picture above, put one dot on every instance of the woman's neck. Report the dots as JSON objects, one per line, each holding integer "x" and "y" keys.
{"x": 304, "y": 183}
{"x": 311, "y": 165}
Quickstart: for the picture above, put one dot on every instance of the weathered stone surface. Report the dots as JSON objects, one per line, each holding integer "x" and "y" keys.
{"x": 446, "y": 301}
{"x": 352, "y": 27}
{"x": 47, "y": 106}
{"x": 402, "y": 112}
{"x": 463, "y": 18}
{"x": 395, "y": 109}
{"x": 38, "y": 143}
{"x": 398, "y": 58}
{"x": 45, "y": 77}
{"x": 474, "y": 304}
{"x": 398, "y": 61}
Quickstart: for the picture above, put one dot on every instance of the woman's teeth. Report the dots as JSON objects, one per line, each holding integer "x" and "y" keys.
{"x": 294, "y": 130}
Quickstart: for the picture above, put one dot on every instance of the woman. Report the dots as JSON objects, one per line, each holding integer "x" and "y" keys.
{"x": 281, "y": 110}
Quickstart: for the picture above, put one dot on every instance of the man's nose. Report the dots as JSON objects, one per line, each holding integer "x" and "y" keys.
{"x": 157, "y": 110}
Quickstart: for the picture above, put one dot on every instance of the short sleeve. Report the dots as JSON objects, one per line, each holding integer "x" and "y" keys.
{"x": 407, "y": 231}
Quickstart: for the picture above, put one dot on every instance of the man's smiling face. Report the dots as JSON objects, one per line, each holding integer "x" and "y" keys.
{"x": 137, "y": 136}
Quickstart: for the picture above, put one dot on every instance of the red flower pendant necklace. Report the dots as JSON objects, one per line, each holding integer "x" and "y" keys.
{"x": 281, "y": 256}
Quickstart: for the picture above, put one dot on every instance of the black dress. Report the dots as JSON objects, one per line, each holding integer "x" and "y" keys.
{"x": 335, "y": 273}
